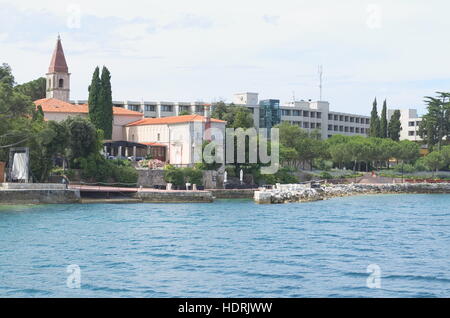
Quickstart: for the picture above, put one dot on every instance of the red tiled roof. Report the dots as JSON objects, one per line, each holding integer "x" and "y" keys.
{"x": 173, "y": 120}
{"x": 154, "y": 144}
{"x": 53, "y": 105}
{"x": 58, "y": 61}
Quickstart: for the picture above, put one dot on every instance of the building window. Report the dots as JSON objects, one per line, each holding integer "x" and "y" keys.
{"x": 313, "y": 114}
{"x": 357, "y": 130}
{"x": 166, "y": 108}
{"x": 341, "y": 128}
{"x": 199, "y": 109}
{"x": 305, "y": 113}
{"x": 285, "y": 112}
{"x": 313, "y": 125}
{"x": 352, "y": 129}
{"x": 336, "y": 117}
{"x": 158, "y": 137}
{"x": 346, "y": 129}
{"x": 305, "y": 125}
{"x": 336, "y": 128}
{"x": 133, "y": 107}
{"x": 357, "y": 120}
{"x": 61, "y": 83}
{"x": 330, "y": 117}
{"x": 346, "y": 118}
{"x": 367, "y": 121}
{"x": 411, "y": 133}
{"x": 296, "y": 113}
{"x": 319, "y": 126}
{"x": 150, "y": 108}
{"x": 411, "y": 124}
{"x": 341, "y": 117}
{"x": 319, "y": 115}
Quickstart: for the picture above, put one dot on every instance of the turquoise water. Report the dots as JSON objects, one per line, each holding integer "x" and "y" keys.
{"x": 229, "y": 248}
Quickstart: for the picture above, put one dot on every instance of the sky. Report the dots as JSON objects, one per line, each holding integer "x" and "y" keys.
{"x": 207, "y": 50}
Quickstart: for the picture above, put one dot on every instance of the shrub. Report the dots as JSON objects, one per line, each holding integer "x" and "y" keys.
{"x": 407, "y": 168}
{"x": 325, "y": 175}
{"x": 173, "y": 175}
{"x": 283, "y": 175}
{"x": 193, "y": 176}
{"x": 123, "y": 174}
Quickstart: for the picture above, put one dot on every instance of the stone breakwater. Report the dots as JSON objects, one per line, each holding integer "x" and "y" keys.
{"x": 305, "y": 193}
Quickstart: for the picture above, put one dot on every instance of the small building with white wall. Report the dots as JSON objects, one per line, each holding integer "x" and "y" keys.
{"x": 182, "y": 136}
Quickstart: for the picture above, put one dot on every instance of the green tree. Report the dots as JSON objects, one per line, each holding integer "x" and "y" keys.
{"x": 235, "y": 116}
{"x": 434, "y": 161}
{"x": 106, "y": 116}
{"x": 435, "y": 125}
{"x": 374, "y": 130}
{"x": 395, "y": 126}
{"x": 408, "y": 151}
{"x": 184, "y": 112}
{"x": 95, "y": 100}
{"x": 384, "y": 122}
{"x": 83, "y": 138}
{"x": 34, "y": 89}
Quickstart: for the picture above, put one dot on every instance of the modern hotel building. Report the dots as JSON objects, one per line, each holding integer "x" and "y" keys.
{"x": 308, "y": 115}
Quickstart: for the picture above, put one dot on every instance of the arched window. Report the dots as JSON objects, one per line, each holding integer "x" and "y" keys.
{"x": 61, "y": 83}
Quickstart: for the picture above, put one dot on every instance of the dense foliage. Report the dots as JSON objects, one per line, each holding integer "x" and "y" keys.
{"x": 100, "y": 102}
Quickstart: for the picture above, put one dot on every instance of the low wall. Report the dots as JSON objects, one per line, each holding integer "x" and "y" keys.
{"x": 39, "y": 196}
{"x": 32, "y": 186}
{"x": 149, "y": 178}
{"x": 233, "y": 193}
{"x": 175, "y": 196}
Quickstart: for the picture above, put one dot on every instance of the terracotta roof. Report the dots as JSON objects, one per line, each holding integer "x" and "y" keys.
{"x": 58, "y": 61}
{"x": 173, "y": 120}
{"x": 155, "y": 144}
{"x": 53, "y": 105}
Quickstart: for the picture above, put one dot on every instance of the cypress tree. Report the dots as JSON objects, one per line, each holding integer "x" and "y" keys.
{"x": 384, "y": 122}
{"x": 395, "y": 126}
{"x": 106, "y": 104}
{"x": 94, "y": 100}
{"x": 374, "y": 130}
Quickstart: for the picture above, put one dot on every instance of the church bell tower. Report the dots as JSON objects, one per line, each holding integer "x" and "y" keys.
{"x": 58, "y": 76}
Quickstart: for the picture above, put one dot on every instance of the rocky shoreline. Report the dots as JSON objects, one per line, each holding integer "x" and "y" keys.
{"x": 305, "y": 193}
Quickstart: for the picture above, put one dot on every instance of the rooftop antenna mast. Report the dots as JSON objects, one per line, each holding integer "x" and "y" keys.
{"x": 293, "y": 97}
{"x": 320, "y": 71}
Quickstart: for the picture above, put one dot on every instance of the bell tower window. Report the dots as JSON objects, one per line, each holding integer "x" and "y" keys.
{"x": 61, "y": 83}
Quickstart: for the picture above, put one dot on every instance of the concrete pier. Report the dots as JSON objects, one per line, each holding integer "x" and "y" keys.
{"x": 37, "y": 193}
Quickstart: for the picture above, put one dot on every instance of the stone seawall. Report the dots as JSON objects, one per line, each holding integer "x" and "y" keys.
{"x": 39, "y": 196}
{"x": 303, "y": 193}
{"x": 175, "y": 196}
{"x": 233, "y": 194}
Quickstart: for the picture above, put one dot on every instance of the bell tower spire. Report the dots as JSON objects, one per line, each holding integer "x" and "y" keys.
{"x": 58, "y": 76}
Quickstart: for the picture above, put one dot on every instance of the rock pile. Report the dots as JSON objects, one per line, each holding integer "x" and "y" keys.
{"x": 304, "y": 193}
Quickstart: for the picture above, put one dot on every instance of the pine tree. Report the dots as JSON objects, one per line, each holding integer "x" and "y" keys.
{"x": 384, "y": 122}
{"x": 106, "y": 103}
{"x": 374, "y": 121}
{"x": 395, "y": 126}
{"x": 94, "y": 101}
